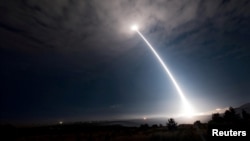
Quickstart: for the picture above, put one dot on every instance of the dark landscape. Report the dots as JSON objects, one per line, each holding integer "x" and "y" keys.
{"x": 112, "y": 131}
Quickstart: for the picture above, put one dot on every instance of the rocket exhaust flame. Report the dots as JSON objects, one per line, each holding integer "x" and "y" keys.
{"x": 188, "y": 109}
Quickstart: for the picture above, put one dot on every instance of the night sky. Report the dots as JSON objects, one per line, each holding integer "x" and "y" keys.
{"x": 76, "y": 60}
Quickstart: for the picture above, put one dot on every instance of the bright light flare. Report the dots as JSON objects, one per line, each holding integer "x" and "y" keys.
{"x": 188, "y": 110}
{"x": 218, "y": 109}
{"x": 134, "y": 27}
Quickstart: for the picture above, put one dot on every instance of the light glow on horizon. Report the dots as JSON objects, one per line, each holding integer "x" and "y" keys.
{"x": 188, "y": 110}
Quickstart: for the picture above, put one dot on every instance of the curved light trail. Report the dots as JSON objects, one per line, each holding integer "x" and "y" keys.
{"x": 188, "y": 111}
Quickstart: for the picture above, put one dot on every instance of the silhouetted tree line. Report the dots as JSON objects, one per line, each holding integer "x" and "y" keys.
{"x": 230, "y": 120}
{"x": 144, "y": 126}
{"x": 230, "y": 117}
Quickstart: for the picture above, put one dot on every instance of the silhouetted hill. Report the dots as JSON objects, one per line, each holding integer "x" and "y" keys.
{"x": 246, "y": 107}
